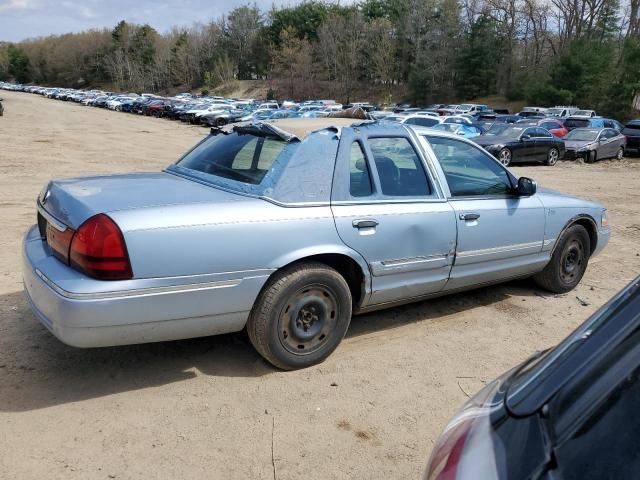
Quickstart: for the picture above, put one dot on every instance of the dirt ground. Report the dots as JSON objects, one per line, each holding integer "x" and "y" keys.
{"x": 211, "y": 407}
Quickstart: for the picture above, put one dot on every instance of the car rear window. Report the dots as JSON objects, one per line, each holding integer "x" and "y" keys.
{"x": 264, "y": 165}
{"x": 576, "y": 123}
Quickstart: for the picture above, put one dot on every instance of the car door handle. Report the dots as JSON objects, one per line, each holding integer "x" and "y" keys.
{"x": 365, "y": 223}
{"x": 469, "y": 216}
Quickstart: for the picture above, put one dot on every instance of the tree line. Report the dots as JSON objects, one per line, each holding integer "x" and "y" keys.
{"x": 583, "y": 52}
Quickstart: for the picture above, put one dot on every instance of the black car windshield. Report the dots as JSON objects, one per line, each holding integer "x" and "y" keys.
{"x": 582, "y": 135}
{"x": 522, "y": 387}
{"x": 512, "y": 132}
{"x": 497, "y": 128}
{"x": 259, "y": 163}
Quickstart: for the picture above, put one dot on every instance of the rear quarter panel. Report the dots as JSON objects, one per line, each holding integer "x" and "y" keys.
{"x": 237, "y": 237}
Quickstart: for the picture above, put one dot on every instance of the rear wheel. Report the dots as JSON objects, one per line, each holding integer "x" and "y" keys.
{"x": 301, "y": 316}
{"x": 552, "y": 157}
{"x": 504, "y": 157}
{"x": 620, "y": 153}
{"x": 568, "y": 262}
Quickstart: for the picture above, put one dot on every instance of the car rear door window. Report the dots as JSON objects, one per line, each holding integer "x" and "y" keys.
{"x": 468, "y": 170}
{"x": 539, "y": 132}
{"x": 399, "y": 168}
{"x": 360, "y": 185}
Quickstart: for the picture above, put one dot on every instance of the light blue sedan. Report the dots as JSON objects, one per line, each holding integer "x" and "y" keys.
{"x": 288, "y": 228}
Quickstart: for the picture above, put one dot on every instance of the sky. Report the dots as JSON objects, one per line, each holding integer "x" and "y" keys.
{"x": 21, "y": 19}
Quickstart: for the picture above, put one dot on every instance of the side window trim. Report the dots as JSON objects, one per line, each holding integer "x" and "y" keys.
{"x": 375, "y": 187}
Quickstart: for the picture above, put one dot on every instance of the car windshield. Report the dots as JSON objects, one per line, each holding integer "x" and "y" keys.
{"x": 582, "y": 112}
{"x": 512, "y": 131}
{"x": 254, "y": 160}
{"x": 497, "y": 128}
{"x": 581, "y": 135}
{"x": 554, "y": 112}
{"x": 542, "y": 366}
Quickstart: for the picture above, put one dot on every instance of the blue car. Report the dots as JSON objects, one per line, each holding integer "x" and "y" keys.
{"x": 287, "y": 228}
{"x": 467, "y": 131}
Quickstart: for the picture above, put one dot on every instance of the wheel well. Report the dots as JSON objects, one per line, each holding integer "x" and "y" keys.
{"x": 345, "y": 266}
{"x": 590, "y": 227}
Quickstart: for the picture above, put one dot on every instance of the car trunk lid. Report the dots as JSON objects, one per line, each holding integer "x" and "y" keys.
{"x": 72, "y": 201}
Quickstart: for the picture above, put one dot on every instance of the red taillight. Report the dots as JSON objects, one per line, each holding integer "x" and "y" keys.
{"x": 446, "y": 455}
{"x": 98, "y": 249}
{"x": 59, "y": 241}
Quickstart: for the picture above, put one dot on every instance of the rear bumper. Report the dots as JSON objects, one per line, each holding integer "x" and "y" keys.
{"x": 138, "y": 314}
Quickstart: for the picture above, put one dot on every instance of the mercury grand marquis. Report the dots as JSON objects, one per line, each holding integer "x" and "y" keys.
{"x": 288, "y": 228}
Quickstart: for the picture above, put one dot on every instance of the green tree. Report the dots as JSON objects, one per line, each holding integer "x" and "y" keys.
{"x": 19, "y": 65}
{"x": 478, "y": 60}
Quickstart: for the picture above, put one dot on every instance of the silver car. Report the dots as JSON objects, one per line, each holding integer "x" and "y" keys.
{"x": 287, "y": 228}
{"x": 593, "y": 144}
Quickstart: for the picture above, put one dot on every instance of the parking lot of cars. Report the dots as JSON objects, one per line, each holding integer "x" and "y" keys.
{"x": 373, "y": 409}
{"x": 518, "y": 144}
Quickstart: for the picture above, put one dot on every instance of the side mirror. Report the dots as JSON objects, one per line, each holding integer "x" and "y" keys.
{"x": 526, "y": 136}
{"x": 526, "y": 187}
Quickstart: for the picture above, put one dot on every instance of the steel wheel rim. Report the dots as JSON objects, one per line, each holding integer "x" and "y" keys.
{"x": 571, "y": 261}
{"x": 553, "y": 156}
{"x": 505, "y": 157}
{"x": 307, "y": 319}
{"x": 620, "y": 154}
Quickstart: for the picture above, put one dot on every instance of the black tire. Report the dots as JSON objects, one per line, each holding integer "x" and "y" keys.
{"x": 568, "y": 262}
{"x": 220, "y": 122}
{"x": 590, "y": 157}
{"x": 553, "y": 155}
{"x": 620, "y": 153}
{"x": 505, "y": 157}
{"x": 301, "y": 316}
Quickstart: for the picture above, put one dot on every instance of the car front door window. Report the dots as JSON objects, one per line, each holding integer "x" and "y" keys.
{"x": 468, "y": 170}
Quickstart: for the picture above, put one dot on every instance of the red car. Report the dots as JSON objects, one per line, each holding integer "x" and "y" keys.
{"x": 553, "y": 125}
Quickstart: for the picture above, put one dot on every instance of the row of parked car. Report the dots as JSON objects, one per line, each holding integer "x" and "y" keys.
{"x": 535, "y": 134}
{"x": 209, "y": 111}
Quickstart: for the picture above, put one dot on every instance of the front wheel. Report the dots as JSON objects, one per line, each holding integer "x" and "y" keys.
{"x": 568, "y": 262}
{"x": 552, "y": 157}
{"x": 504, "y": 157}
{"x": 590, "y": 157}
{"x": 301, "y": 316}
{"x": 620, "y": 153}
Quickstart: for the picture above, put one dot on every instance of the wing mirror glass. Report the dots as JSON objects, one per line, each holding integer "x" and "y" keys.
{"x": 526, "y": 187}
{"x": 526, "y": 136}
